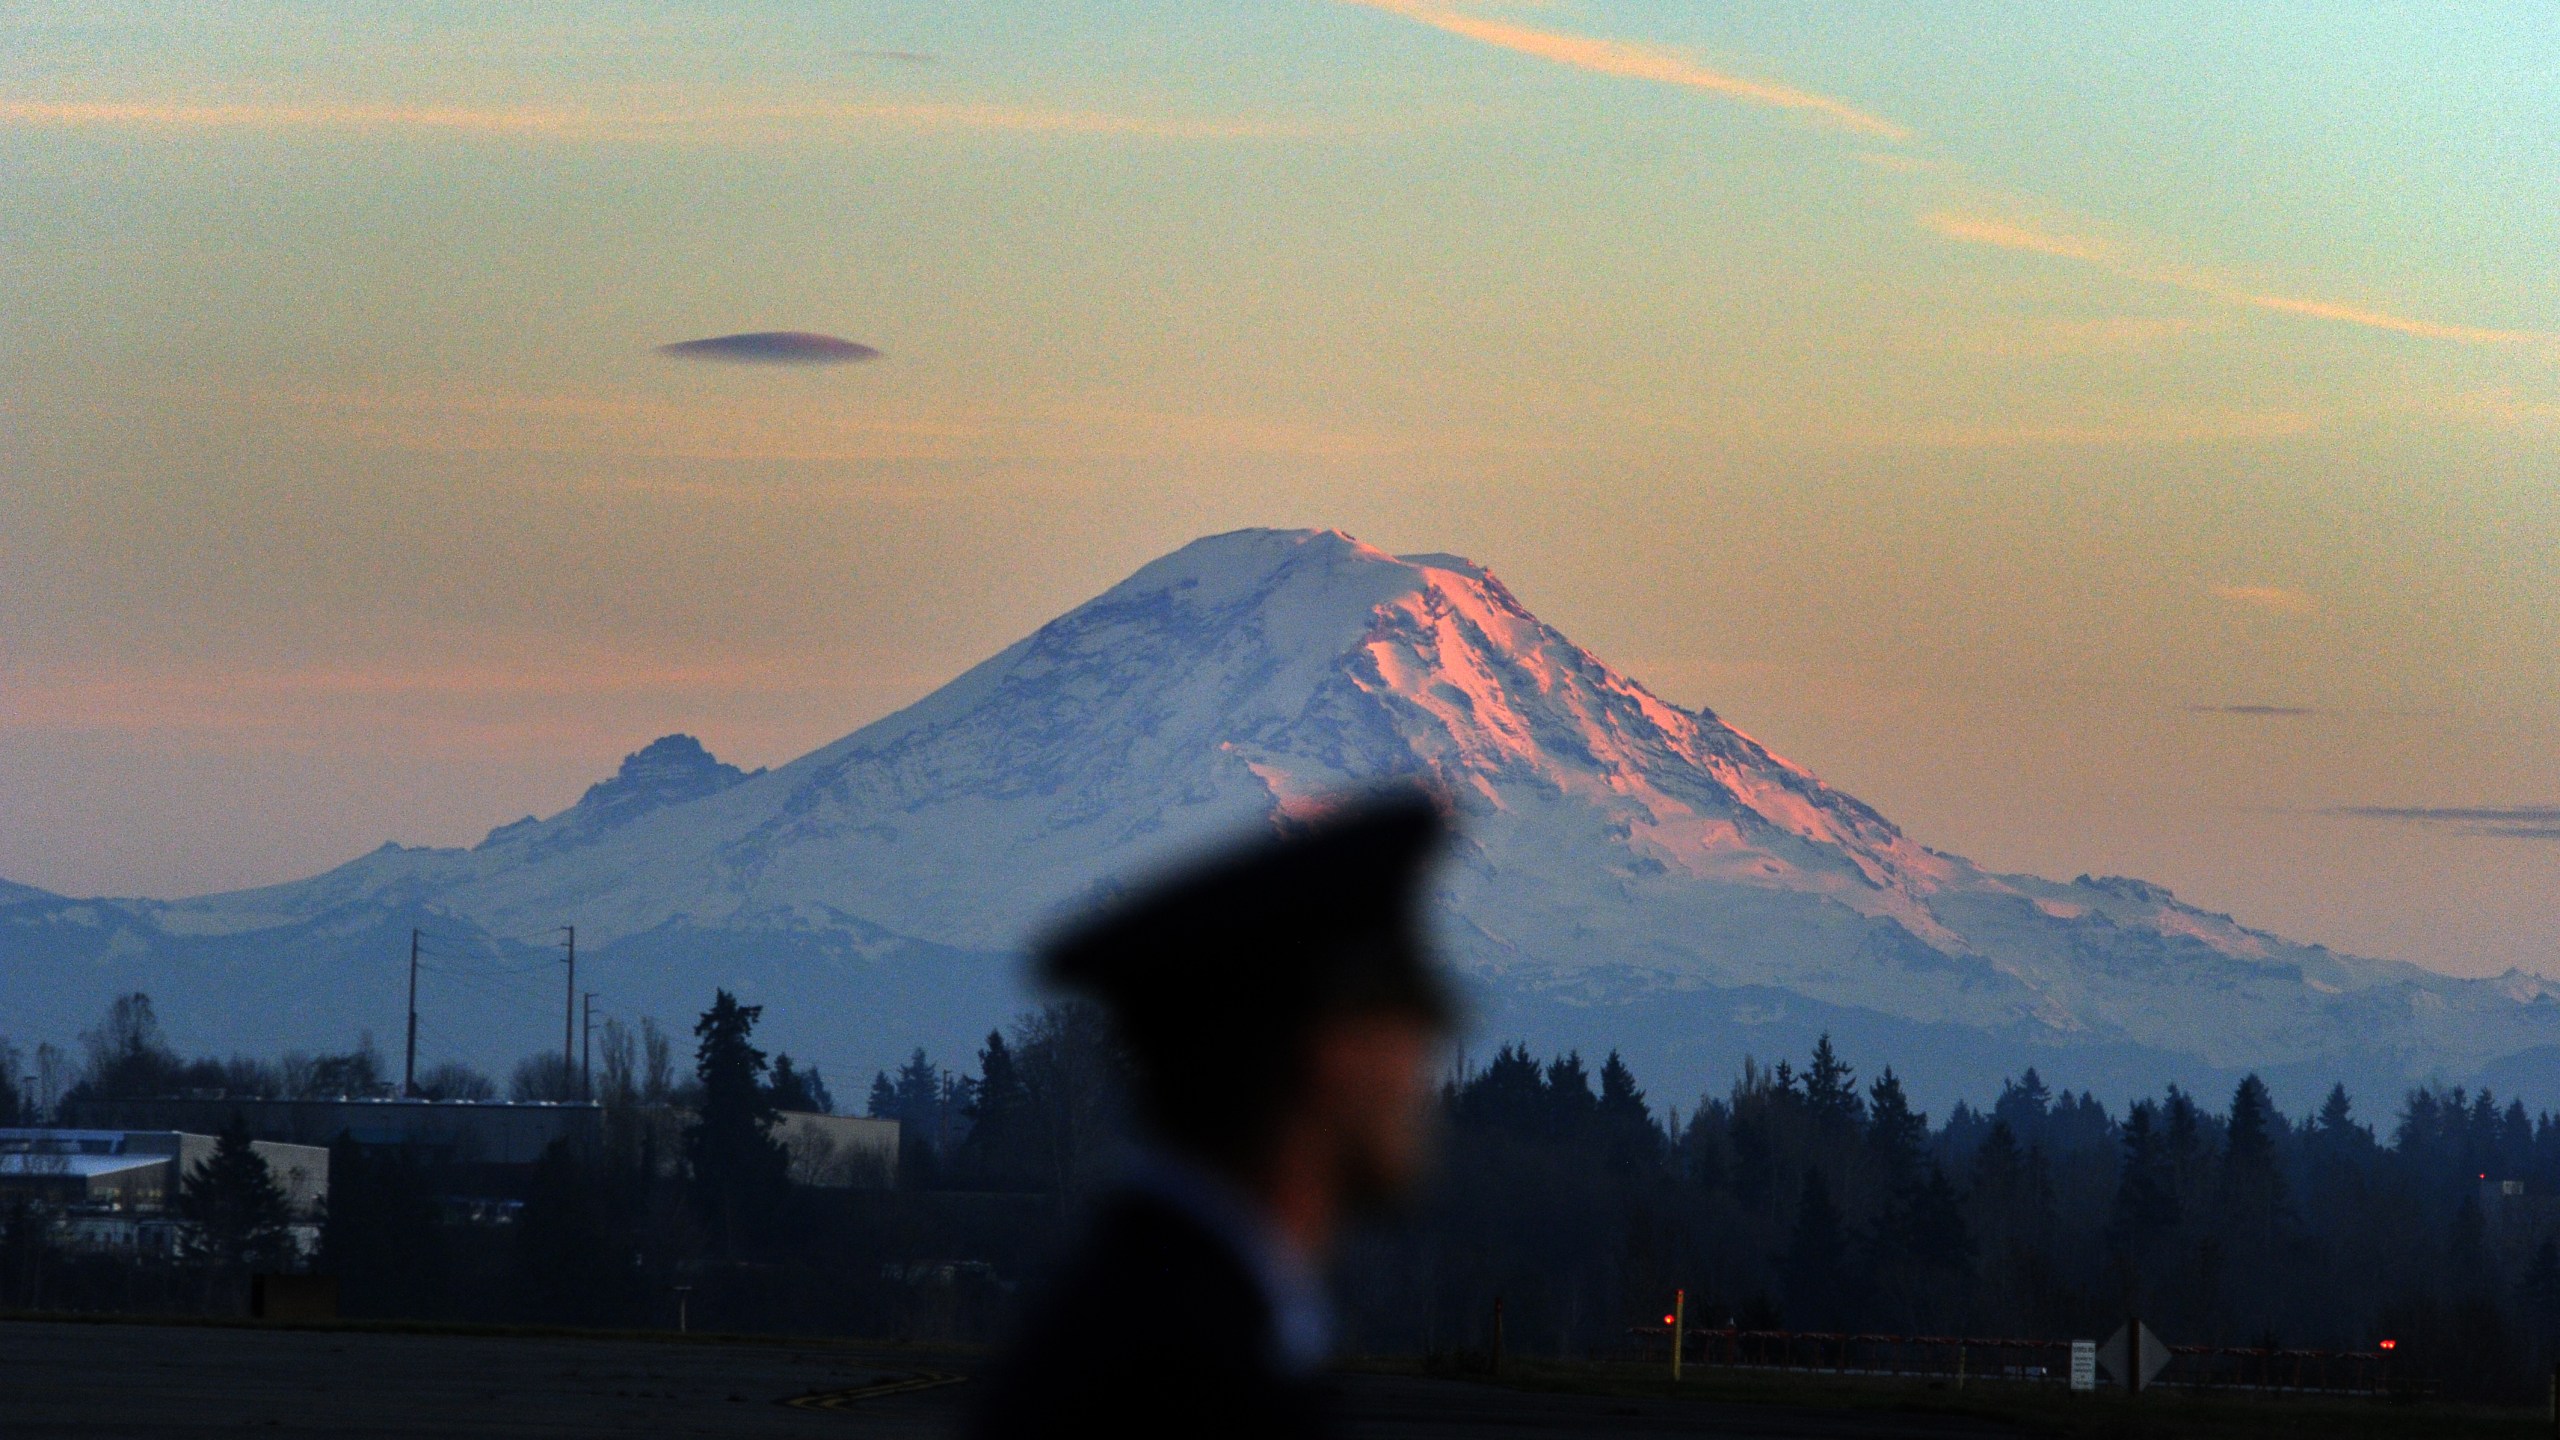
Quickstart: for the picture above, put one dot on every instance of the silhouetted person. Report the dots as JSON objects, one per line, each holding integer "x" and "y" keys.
{"x": 1283, "y": 1019}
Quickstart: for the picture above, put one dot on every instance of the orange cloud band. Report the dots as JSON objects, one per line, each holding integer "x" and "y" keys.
{"x": 2012, "y": 235}
{"x": 577, "y": 123}
{"x": 1634, "y": 62}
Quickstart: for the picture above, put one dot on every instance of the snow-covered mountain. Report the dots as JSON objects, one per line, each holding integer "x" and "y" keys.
{"x": 1632, "y": 874}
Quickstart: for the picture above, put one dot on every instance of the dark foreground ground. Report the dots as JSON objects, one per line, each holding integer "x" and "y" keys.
{"x": 165, "y": 1382}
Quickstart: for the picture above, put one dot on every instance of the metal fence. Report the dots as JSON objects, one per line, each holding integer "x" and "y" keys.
{"x": 2299, "y": 1372}
{"x": 1966, "y": 1358}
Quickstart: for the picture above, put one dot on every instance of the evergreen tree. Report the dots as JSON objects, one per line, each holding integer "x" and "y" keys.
{"x": 918, "y": 1097}
{"x": 1927, "y": 1230}
{"x": 793, "y": 1088}
{"x": 998, "y": 1117}
{"x": 1999, "y": 1166}
{"x": 1927, "y": 1224}
{"x": 2538, "y": 1293}
{"x": 1815, "y": 1268}
{"x": 2337, "y": 1122}
{"x": 915, "y": 1100}
{"x": 2480, "y": 1135}
{"x": 883, "y": 1104}
{"x": 1571, "y": 1107}
{"x": 2075, "y": 1124}
{"x": 958, "y": 1103}
{"x": 2146, "y": 1204}
{"x": 2024, "y": 1104}
{"x": 16, "y": 1108}
{"x": 2515, "y": 1143}
{"x": 1510, "y": 1094}
{"x": 739, "y": 1170}
{"x": 1831, "y": 1090}
{"x": 1626, "y": 1121}
{"x": 2253, "y": 1189}
{"x": 233, "y": 1211}
{"x": 2421, "y": 1127}
{"x": 2545, "y": 1170}
{"x": 2467, "y": 1261}
{"x": 1703, "y": 1146}
{"x": 1896, "y": 1133}
{"x": 1755, "y": 1151}
{"x": 2183, "y": 1151}
{"x": 1964, "y": 1129}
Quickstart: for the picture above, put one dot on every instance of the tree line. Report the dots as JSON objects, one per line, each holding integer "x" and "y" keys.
{"x": 1808, "y": 1199}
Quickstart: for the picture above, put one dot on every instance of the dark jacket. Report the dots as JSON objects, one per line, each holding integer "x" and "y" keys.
{"x": 1155, "y": 1328}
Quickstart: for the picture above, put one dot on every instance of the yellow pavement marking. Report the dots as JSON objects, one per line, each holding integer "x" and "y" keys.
{"x": 890, "y": 1385}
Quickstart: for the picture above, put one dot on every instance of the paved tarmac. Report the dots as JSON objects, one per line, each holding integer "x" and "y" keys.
{"x": 174, "y": 1382}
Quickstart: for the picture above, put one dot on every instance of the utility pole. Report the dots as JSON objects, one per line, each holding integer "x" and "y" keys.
{"x": 1679, "y": 1329}
{"x": 587, "y": 1049}
{"x": 409, "y": 1068}
{"x": 569, "y": 1012}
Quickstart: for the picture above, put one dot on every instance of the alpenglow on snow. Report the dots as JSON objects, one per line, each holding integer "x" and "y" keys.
{"x": 1633, "y": 875}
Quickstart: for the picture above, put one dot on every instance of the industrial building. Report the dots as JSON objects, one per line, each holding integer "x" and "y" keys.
{"x": 839, "y": 1152}
{"x": 464, "y": 1132}
{"x": 138, "y": 1171}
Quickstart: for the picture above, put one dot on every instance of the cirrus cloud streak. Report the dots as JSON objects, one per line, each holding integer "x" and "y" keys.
{"x": 2496, "y": 822}
{"x": 575, "y": 123}
{"x": 1635, "y": 62}
{"x": 2003, "y": 234}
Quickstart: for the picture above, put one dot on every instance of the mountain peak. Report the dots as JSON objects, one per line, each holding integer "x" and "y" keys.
{"x": 666, "y": 771}
{"x": 669, "y": 770}
{"x": 1219, "y": 568}
{"x": 1623, "y": 860}
{"x": 1240, "y": 557}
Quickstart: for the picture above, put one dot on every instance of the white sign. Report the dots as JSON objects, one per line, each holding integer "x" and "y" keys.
{"x": 2084, "y": 1364}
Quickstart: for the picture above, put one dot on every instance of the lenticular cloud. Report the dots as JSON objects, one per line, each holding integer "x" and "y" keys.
{"x": 772, "y": 347}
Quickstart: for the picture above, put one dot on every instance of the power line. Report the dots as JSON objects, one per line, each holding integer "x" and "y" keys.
{"x": 569, "y": 1007}
{"x": 409, "y": 1068}
{"x": 514, "y": 999}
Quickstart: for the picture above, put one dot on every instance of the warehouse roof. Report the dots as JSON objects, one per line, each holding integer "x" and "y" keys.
{"x": 87, "y": 1167}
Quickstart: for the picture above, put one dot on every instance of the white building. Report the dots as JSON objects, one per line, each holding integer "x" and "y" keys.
{"x": 839, "y": 1152}
{"x": 137, "y": 1172}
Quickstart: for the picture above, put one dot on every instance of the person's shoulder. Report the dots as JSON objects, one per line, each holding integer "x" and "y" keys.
{"x": 1149, "y": 1268}
{"x": 1154, "y": 1319}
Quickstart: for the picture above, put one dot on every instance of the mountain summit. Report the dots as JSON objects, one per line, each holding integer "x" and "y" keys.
{"x": 1632, "y": 874}
{"x": 669, "y": 770}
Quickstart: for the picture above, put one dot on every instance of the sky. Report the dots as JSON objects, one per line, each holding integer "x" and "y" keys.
{"x": 2112, "y": 438}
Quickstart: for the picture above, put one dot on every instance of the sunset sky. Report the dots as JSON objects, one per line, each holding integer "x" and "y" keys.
{"x": 2111, "y": 437}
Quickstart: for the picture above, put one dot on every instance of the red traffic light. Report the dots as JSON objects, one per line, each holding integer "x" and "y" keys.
{"x": 2390, "y": 1345}
{"x": 1670, "y": 1320}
